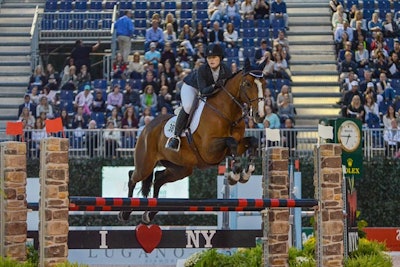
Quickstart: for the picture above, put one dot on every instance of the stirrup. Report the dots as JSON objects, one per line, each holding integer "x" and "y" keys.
{"x": 171, "y": 143}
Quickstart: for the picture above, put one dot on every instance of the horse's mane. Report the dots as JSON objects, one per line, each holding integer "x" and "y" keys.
{"x": 234, "y": 74}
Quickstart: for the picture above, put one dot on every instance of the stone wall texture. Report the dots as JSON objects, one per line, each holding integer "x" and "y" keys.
{"x": 14, "y": 215}
{"x": 54, "y": 198}
{"x": 278, "y": 224}
{"x": 331, "y": 204}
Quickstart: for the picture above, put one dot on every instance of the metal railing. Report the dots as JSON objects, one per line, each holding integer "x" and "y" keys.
{"x": 34, "y": 35}
{"x": 94, "y": 143}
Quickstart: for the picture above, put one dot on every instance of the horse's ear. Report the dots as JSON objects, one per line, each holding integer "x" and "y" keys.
{"x": 247, "y": 65}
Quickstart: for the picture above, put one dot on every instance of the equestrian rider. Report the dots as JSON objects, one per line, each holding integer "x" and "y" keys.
{"x": 206, "y": 79}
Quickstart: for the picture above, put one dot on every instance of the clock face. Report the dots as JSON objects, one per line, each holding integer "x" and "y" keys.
{"x": 349, "y": 136}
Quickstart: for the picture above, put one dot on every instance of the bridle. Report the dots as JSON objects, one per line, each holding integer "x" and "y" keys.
{"x": 242, "y": 92}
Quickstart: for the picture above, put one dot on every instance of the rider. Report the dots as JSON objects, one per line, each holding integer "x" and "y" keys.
{"x": 206, "y": 79}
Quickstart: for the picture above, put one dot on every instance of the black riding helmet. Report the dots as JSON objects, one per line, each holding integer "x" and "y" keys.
{"x": 215, "y": 50}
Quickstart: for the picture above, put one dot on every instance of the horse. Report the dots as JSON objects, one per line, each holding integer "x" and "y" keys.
{"x": 220, "y": 134}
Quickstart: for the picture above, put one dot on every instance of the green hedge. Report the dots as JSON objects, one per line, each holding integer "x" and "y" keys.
{"x": 378, "y": 199}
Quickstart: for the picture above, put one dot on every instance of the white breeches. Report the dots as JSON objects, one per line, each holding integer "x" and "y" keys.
{"x": 188, "y": 94}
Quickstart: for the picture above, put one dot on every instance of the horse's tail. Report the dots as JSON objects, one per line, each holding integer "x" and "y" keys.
{"x": 146, "y": 185}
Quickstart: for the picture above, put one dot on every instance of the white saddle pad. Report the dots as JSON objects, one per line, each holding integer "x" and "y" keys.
{"x": 170, "y": 125}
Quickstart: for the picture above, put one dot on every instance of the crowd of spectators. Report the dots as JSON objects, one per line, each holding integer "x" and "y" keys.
{"x": 144, "y": 84}
{"x": 368, "y": 49}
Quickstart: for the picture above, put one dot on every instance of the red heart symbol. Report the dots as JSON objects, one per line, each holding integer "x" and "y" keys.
{"x": 148, "y": 236}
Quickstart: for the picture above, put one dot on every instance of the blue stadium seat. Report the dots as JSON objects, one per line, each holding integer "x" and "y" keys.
{"x": 201, "y": 5}
{"x": 141, "y": 6}
{"x": 350, "y": 3}
{"x": 186, "y": 14}
{"x": 232, "y": 52}
{"x": 140, "y": 14}
{"x": 136, "y": 84}
{"x": 170, "y": 5}
{"x": 96, "y": 6}
{"x": 67, "y": 95}
{"x": 248, "y": 42}
{"x": 249, "y": 52}
{"x": 106, "y": 24}
{"x": 230, "y": 60}
{"x": 81, "y": 5}
{"x": 368, "y": 4}
{"x": 248, "y": 23}
{"x": 382, "y": 12}
{"x": 367, "y": 14}
{"x": 383, "y": 106}
{"x": 383, "y": 4}
{"x": 390, "y": 43}
{"x": 182, "y": 22}
{"x": 140, "y": 23}
{"x": 77, "y": 24}
{"x": 201, "y": 15}
{"x": 68, "y": 106}
{"x": 263, "y": 33}
{"x": 51, "y": 6}
{"x": 186, "y": 5}
{"x": 280, "y": 82}
{"x": 395, "y": 83}
{"x": 110, "y": 4}
{"x": 156, "y": 5}
{"x": 100, "y": 84}
{"x": 95, "y": 16}
{"x": 126, "y": 5}
{"x": 47, "y": 24}
{"x": 263, "y": 23}
{"x": 99, "y": 117}
{"x": 396, "y": 6}
{"x": 62, "y": 24}
{"x": 249, "y": 33}
{"x": 92, "y": 24}
{"x": 118, "y": 81}
{"x": 65, "y": 6}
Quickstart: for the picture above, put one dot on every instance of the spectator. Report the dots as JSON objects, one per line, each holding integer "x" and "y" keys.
{"x": 272, "y": 118}
{"x": 129, "y": 123}
{"x": 68, "y": 63}
{"x": 83, "y": 77}
{"x": 146, "y": 120}
{"x": 380, "y": 63}
{"x": 281, "y": 69}
{"x": 339, "y": 32}
{"x": 199, "y": 53}
{"x": 358, "y": 17}
{"x": 338, "y": 17}
{"x": 92, "y": 138}
{"x": 70, "y": 80}
{"x": 374, "y": 25}
{"x": 232, "y": 13}
{"x": 38, "y": 78}
{"x": 27, "y": 104}
{"x": 278, "y": 11}
{"x": 169, "y": 72}
{"x": 389, "y": 27}
{"x": 112, "y": 140}
{"x": 351, "y": 12}
{"x": 38, "y": 134}
{"x": 124, "y": 28}
{"x": 27, "y": 119}
{"x": 231, "y": 36}
{"x": 261, "y": 9}
{"x": 79, "y": 123}
{"x": 98, "y": 104}
{"x": 44, "y": 106}
{"x": 84, "y": 99}
{"x": 392, "y": 138}
{"x": 333, "y": 4}
{"x": 35, "y": 97}
{"x": 289, "y": 136}
{"x": 383, "y": 87}
{"x": 269, "y": 98}
{"x": 183, "y": 57}
{"x": 268, "y": 63}
{"x": 286, "y": 110}
{"x": 53, "y": 78}
{"x": 396, "y": 48}
{"x": 342, "y": 52}
{"x": 367, "y": 81}
{"x": 115, "y": 118}
{"x": 119, "y": 67}
{"x": 150, "y": 80}
{"x": 216, "y": 11}
{"x": 356, "y": 109}
{"x": 282, "y": 40}
{"x": 155, "y": 35}
{"x": 152, "y": 55}
{"x": 170, "y": 35}
{"x": 371, "y": 112}
{"x": 279, "y": 49}
{"x": 146, "y": 113}
{"x": 348, "y": 96}
{"x": 199, "y": 35}
{"x": 281, "y": 96}
{"x": 362, "y": 56}
{"x": 379, "y": 40}
{"x": 65, "y": 119}
{"x": 359, "y": 32}
{"x": 165, "y": 100}
{"x": 247, "y": 9}
{"x": 389, "y": 116}
{"x": 149, "y": 99}
{"x": 216, "y": 35}
{"x": 168, "y": 54}
{"x": 169, "y": 18}
{"x": 394, "y": 67}
{"x": 114, "y": 99}
{"x": 81, "y": 54}
{"x": 131, "y": 98}
{"x": 346, "y": 66}
{"x": 136, "y": 68}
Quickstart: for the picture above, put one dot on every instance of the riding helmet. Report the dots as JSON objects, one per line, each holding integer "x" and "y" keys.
{"x": 215, "y": 50}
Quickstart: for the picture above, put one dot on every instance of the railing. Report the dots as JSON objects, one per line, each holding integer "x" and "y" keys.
{"x": 113, "y": 32}
{"x": 34, "y": 33}
{"x": 94, "y": 143}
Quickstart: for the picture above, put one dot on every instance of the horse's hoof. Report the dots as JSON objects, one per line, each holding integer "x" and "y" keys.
{"x": 245, "y": 176}
{"x": 233, "y": 178}
{"x": 148, "y": 217}
{"x": 123, "y": 216}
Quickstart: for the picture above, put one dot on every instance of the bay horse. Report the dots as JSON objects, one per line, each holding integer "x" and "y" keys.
{"x": 220, "y": 133}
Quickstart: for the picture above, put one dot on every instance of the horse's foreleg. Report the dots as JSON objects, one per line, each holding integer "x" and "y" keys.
{"x": 248, "y": 143}
{"x": 148, "y": 216}
{"x": 124, "y": 215}
{"x": 234, "y": 175}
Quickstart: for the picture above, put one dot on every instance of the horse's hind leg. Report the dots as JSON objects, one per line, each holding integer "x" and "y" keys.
{"x": 124, "y": 215}
{"x": 171, "y": 174}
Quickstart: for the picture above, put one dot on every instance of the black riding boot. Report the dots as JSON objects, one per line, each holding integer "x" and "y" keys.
{"x": 174, "y": 142}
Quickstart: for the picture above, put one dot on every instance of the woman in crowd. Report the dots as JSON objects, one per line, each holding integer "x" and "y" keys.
{"x": 232, "y": 12}
{"x": 114, "y": 118}
{"x": 356, "y": 109}
{"x": 70, "y": 79}
{"x": 199, "y": 35}
{"x": 247, "y": 9}
{"x": 286, "y": 110}
{"x": 148, "y": 99}
{"x": 170, "y": 19}
{"x": 38, "y": 78}
{"x": 53, "y": 78}
{"x": 170, "y": 35}
{"x": 83, "y": 77}
{"x": 231, "y": 36}
{"x": 45, "y": 107}
{"x": 389, "y": 116}
{"x": 129, "y": 124}
{"x": 98, "y": 104}
{"x": 261, "y": 9}
{"x": 112, "y": 140}
{"x": 119, "y": 67}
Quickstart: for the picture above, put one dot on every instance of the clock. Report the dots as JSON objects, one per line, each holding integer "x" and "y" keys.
{"x": 349, "y": 136}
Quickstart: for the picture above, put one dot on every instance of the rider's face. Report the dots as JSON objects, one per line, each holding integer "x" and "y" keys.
{"x": 213, "y": 61}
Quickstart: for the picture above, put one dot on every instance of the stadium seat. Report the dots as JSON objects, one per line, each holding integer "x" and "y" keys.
{"x": 232, "y": 52}
{"x": 65, "y": 6}
{"x": 100, "y": 84}
{"x": 62, "y": 24}
{"x": 47, "y": 24}
{"x": 182, "y": 22}
{"x": 350, "y": 3}
{"x": 202, "y": 15}
{"x": 170, "y": 6}
{"x": 186, "y": 14}
{"x": 81, "y": 5}
{"x": 248, "y": 33}
{"x": 99, "y": 118}
{"x": 141, "y": 6}
{"x": 249, "y": 52}
{"x": 263, "y": 23}
{"x": 368, "y": 4}
{"x": 126, "y": 5}
{"x": 248, "y": 42}
{"x": 383, "y": 4}
{"x": 367, "y": 14}
{"x": 106, "y": 24}
{"x": 281, "y": 82}
{"x": 395, "y": 83}
{"x": 186, "y": 5}
{"x": 92, "y": 24}
{"x": 248, "y": 23}
{"x": 396, "y": 6}
{"x": 110, "y": 4}
{"x": 201, "y": 5}
{"x": 263, "y": 33}
{"x": 51, "y": 6}
{"x": 67, "y": 95}
{"x": 140, "y": 14}
{"x": 118, "y": 81}
{"x": 77, "y": 24}
{"x": 136, "y": 84}
{"x": 383, "y": 11}
{"x": 230, "y": 60}
{"x": 96, "y": 6}
{"x": 155, "y": 5}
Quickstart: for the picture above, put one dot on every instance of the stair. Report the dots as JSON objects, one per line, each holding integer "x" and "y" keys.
{"x": 313, "y": 64}
{"x": 16, "y": 18}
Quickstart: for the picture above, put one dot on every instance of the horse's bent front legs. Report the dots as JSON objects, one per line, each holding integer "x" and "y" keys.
{"x": 234, "y": 175}
{"x": 248, "y": 143}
